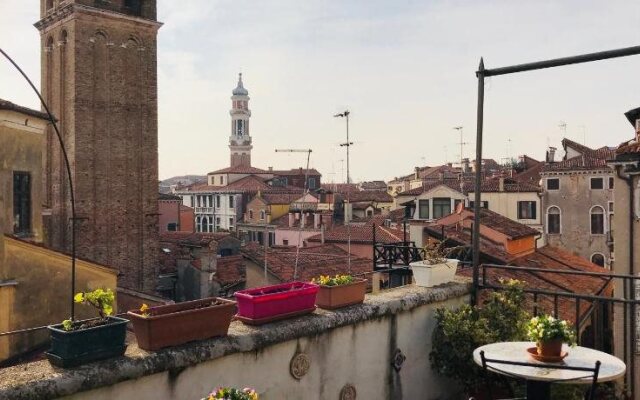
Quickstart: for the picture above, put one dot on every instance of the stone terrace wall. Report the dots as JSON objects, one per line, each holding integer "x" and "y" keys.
{"x": 350, "y": 348}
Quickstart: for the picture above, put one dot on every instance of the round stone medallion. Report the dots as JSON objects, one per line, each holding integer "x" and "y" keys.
{"x": 299, "y": 366}
{"x": 348, "y": 392}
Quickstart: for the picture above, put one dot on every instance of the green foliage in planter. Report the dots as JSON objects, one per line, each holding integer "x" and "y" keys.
{"x": 501, "y": 318}
{"x": 100, "y": 299}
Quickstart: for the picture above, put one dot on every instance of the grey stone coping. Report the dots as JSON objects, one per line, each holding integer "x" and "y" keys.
{"x": 40, "y": 380}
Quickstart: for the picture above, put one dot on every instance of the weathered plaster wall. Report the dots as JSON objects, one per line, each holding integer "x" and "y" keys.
{"x": 575, "y": 200}
{"x": 41, "y": 295}
{"x": 21, "y": 138}
{"x": 353, "y": 346}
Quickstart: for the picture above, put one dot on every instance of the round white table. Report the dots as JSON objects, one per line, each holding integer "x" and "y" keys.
{"x": 539, "y": 379}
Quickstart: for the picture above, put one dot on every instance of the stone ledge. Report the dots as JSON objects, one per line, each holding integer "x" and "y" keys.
{"x": 42, "y": 381}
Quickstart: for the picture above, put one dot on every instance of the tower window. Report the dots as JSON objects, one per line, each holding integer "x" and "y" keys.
{"x": 21, "y": 202}
{"x": 133, "y": 5}
{"x": 239, "y": 127}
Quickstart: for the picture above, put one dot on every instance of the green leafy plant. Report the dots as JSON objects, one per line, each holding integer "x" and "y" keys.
{"x": 458, "y": 332}
{"x": 100, "y": 299}
{"x": 337, "y": 280}
{"x": 544, "y": 328}
{"x": 228, "y": 393}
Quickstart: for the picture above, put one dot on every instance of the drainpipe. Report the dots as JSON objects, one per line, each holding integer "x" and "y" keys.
{"x": 628, "y": 178}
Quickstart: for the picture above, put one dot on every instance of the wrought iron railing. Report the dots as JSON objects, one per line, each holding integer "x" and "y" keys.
{"x": 592, "y": 313}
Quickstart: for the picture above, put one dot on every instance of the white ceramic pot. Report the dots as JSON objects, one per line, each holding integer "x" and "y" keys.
{"x": 430, "y": 275}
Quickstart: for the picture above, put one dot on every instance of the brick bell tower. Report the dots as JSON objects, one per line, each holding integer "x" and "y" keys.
{"x": 240, "y": 139}
{"x": 99, "y": 77}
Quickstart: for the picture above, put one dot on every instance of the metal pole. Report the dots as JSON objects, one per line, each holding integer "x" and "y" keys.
{"x": 558, "y": 62}
{"x": 68, "y": 168}
{"x": 478, "y": 181}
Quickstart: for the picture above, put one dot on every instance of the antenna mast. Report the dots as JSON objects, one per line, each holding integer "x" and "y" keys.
{"x": 347, "y": 144}
{"x": 462, "y": 143}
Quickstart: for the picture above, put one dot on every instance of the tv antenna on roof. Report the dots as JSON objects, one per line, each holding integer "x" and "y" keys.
{"x": 461, "y": 143}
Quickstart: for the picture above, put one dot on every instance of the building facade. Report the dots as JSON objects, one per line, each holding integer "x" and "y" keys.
{"x": 578, "y": 202}
{"x": 626, "y": 236}
{"x": 99, "y": 77}
{"x": 34, "y": 281}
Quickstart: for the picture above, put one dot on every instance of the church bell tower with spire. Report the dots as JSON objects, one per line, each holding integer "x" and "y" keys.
{"x": 240, "y": 139}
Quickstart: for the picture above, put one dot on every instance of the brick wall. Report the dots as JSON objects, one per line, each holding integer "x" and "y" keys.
{"x": 99, "y": 75}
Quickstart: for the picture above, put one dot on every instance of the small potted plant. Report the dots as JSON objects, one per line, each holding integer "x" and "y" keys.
{"x": 260, "y": 305}
{"x": 436, "y": 268}
{"x": 174, "y": 324}
{"x": 549, "y": 334}
{"x": 339, "y": 291}
{"x": 79, "y": 342}
{"x": 229, "y": 393}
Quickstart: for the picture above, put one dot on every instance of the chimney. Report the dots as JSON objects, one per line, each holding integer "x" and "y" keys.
{"x": 316, "y": 220}
{"x": 551, "y": 154}
{"x": 322, "y": 234}
{"x": 450, "y": 165}
{"x": 638, "y": 130}
{"x": 291, "y": 220}
{"x": 270, "y": 169}
{"x": 465, "y": 165}
{"x": 501, "y": 184}
{"x": 441, "y": 176}
{"x": 416, "y": 174}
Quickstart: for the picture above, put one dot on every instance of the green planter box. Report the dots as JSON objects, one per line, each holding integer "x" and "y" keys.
{"x": 69, "y": 349}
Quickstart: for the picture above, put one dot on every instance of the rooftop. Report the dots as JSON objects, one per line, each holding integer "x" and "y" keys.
{"x": 324, "y": 259}
{"x": 7, "y": 105}
{"x": 360, "y": 233}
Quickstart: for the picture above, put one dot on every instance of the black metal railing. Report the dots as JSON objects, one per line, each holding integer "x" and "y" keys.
{"x": 393, "y": 259}
{"x": 593, "y": 314}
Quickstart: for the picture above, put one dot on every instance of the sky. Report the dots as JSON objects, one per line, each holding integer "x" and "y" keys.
{"x": 404, "y": 69}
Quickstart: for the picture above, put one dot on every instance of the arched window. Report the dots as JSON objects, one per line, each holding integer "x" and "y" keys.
{"x": 262, "y": 215}
{"x": 198, "y": 228}
{"x": 598, "y": 259}
{"x": 205, "y": 224}
{"x": 250, "y": 214}
{"x": 597, "y": 220}
{"x": 553, "y": 220}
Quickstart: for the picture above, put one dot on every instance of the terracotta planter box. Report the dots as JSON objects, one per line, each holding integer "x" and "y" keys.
{"x": 73, "y": 348}
{"x": 270, "y": 303}
{"x": 332, "y": 297}
{"x": 175, "y": 324}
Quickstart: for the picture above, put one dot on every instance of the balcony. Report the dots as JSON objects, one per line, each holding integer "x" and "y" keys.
{"x": 380, "y": 349}
{"x": 204, "y": 210}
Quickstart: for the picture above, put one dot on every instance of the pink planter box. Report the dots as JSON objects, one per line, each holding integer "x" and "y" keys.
{"x": 270, "y": 301}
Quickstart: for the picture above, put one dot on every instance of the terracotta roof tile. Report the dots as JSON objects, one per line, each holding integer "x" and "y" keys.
{"x": 296, "y": 172}
{"x": 230, "y": 270}
{"x": 7, "y": 105}
{"x": 326, "y": 259}
{"x": 588, "y": 159}
{"x": 510, "y": 185}
{"x": 241, "y": 169}
{"x": 360, "y": 233}
{"x": 427, "y": 186}
{"x": 549, "y": 257}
